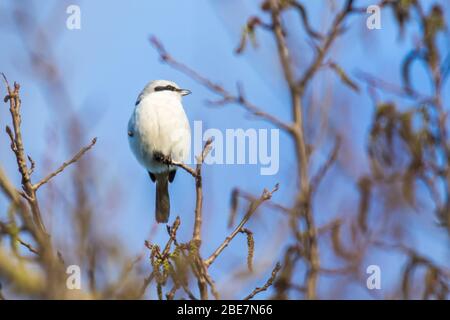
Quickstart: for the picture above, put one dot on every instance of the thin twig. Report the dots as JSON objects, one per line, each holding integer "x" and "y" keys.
{"x": 184, "y": 167}
{"x": 266, "y": 195}
{"x": 28, "y": 246}
{"x": 271, "y": 204}
{"x": 392, "y": 88}
{"x": 74, "y": 159}
{"x": 315, "y": 181}
{"x": 267, "y": 284}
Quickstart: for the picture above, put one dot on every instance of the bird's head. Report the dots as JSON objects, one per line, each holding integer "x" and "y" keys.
{"x": 162, "y": 86}
{"x": 165, "y": 86}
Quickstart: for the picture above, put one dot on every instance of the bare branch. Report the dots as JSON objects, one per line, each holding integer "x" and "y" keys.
{"x": 283, "y": 51}
{"x": 32, "y": 165}
{"x": 269, "y": 203}
{"x": 226, "y": 96}
{"x": 199, "y": 191}
{"x": 17, "y": 147}
{"x": 74, "y": 159}
{"x": 315, "y": 181}
{"x": 185, "y": 167}
{"x": 266, "y": 195}
{"x": 267, "y": 284}
{"x": 172, "y": 234}
{"x": 332, "y": 35}
{"x": 28, "y": 246}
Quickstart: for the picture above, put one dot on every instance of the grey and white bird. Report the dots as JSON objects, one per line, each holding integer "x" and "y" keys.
{"x": 159, "y": 131}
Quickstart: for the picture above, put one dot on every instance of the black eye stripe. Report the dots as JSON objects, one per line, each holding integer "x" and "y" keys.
{"x": 168, "y": 87}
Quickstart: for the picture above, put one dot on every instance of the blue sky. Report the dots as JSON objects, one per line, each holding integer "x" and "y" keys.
{"x": 108, "y": 62}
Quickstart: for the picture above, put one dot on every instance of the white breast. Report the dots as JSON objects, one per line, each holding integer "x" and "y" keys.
{"x": 159, "y": 124}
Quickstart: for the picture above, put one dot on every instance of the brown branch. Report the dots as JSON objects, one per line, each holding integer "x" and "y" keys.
{"x": 315, "y": 181}
{"x": 15, "y": 197}
{"x": 10, "y": 230}
{"x": 188, "y": 292}
{"x": 207, "y": 278}
{"x": 302, "y": 206}
{"x": 172, "y": 234}
{"x": 392, "y": 88}
{"x": 269, "y": 203}
{"x": 226, "y": 96}
{"x": 185, "y": 167}
{"x": 282, "y": 48}
{"x": 199, "y": 191}
{"x": 2, "y": 297}
{"x": 170, "y": 295}
{"x": 74, "y": 159}
{"x": 196, "y": 237}
{"x": 266, "y": 195}
{"x": 19, "y": 151}
{"x": 304, "y": 16}
{"x": 31, "y": 214}
{"x": 28, "y": 246}
{"x": 146, "y": 283}
{"x": 7, "y": 187}
{"x": 198, "y": 266}
{"x": 322, "y": 51}
{"x": 267, "y": 284}
{"x": 32, "y": 165}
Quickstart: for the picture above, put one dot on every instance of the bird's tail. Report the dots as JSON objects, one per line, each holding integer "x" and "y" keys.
{"x": 162, "y": 203}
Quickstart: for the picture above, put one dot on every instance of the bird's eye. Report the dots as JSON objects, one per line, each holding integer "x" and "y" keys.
{"x": 171, "y": 88}
{"x": 160, "y": 88}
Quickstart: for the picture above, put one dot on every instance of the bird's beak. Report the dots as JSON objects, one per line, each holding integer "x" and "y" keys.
{"x": 184, "y": 92}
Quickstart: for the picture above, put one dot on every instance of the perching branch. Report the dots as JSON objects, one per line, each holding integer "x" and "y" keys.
{"x": 199, "y": 191}
{"x": 17, "y": 147}
{"x": 200, "y": 266}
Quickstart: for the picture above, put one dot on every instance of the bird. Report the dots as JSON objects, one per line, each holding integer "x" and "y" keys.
{"x": 159, "y": 134}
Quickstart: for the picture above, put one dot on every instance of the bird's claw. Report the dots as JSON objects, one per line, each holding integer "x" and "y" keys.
{"x": 159, "y": 157}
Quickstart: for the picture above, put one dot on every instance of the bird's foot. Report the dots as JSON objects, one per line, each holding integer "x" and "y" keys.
{"x": 159, "y": 157}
